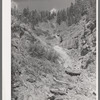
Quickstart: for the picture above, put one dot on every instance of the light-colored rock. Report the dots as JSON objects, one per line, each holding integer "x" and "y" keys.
{"x": 29, "y": 98}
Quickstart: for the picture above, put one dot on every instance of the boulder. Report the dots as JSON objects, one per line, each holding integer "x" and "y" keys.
{"x": 31, "y": 80}
{"x": 29, "y": 98}
{"x": 58, "y": 91}
{"x": 51, "y": 98}
{"x": 73, "y": 72}
{"x": 72, "y": 43}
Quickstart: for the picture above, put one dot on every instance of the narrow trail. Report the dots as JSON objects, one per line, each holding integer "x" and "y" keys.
{"x": 68, "y": 62}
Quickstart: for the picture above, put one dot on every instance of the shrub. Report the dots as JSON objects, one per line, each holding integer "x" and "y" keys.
{"x": 41, "y": 51}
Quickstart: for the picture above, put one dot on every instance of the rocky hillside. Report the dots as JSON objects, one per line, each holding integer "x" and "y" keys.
{"x": 43, "y": 68}
{"x": 53, "y": 56}
{"x": 34, "y": 63}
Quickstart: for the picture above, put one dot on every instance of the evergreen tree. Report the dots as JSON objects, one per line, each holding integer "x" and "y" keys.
{"x": 25, "y": 12}
{"x": 59, "y": 17}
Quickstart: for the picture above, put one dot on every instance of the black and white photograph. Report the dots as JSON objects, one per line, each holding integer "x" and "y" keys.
{"x": 53, "y": 50}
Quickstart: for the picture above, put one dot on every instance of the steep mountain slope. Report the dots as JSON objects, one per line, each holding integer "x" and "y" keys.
{"x": 45, "y": 69}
